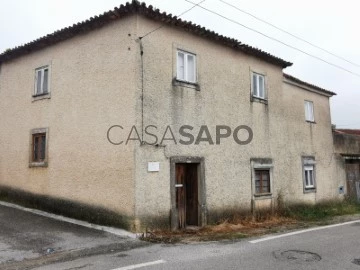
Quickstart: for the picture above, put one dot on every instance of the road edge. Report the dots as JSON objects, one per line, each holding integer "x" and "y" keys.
{"x": 112, "y": 230}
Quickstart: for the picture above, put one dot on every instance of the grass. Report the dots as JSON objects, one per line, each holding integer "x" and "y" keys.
{"x": 321, "y": 211}
{"x": 238, "y": 226}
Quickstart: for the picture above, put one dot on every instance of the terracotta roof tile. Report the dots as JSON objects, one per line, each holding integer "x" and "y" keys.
{"x": 348, "y": 131}
{"x": 136, "y": 7}
{"x": 296, "y": 80}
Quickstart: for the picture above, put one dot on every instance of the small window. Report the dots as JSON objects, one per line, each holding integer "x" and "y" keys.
{"x": 262, "y": 181}
{"x": 186, "y": 67}
{"x": 258, "y": 86}
{"x": 41, "y": 81}
{"x": 38, "y": 147}
{"x": 39, "y": 142}
{"x": 309, "y": 111}
{"x": 309, "y": 174}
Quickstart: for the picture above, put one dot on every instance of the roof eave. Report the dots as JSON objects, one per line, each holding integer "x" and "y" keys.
{"x": 307, "y": 86}
{"x": 149, "y": 12}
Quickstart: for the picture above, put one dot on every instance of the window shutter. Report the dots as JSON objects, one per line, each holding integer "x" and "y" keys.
{"x": 309, "y": 111}
{"x": 180, "y": 66}
{"x": 190, "y": 68}
{"x": 45, "y": 81}
{"x": 261, "y": 86}
{"x": 38, "y": 82}
{"x": 255, "y": 85}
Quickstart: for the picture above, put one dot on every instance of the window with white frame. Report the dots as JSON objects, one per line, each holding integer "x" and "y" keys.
{"x": 309, "y": 173}
{"x": 186, "y": 67}
{"x": 258, "y": 85}
{"x": 309, "y": 176}
{"x": 309, "y": 111}
{"x": 41, "y": 81}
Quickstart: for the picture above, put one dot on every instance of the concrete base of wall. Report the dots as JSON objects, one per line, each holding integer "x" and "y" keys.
{"x": 72, "y": 209}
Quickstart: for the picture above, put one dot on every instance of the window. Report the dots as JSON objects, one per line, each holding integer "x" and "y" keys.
{"x": 262, "y": 181}
{"x": 42, "y": 81}
{"x": 309, "y": 174}
{"x": 38, "y": 147}
{"x": 39, "y": 142}
{"x": 258, "y": 86}
{"x": 186, "y": 67}
{"x": 309, "y": 111}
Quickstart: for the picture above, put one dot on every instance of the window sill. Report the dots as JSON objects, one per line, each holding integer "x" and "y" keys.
{"x": 258, "y": 99}
{"x": 186, "y": 84}
{"x": 310, "y": 122}
{"x": 38, "y": 164}
{"x": 263, "y": 195}
{"x": 310, "y": 190}
{"x": 41, "y": 96}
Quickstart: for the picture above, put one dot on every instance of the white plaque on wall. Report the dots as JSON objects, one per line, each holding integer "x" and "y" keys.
{"x": 153, "y": 166}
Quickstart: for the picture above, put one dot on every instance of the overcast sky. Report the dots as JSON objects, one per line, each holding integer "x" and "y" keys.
{"x": 331, "y": 25}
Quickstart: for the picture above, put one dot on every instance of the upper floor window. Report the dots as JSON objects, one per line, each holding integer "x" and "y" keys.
{"x": 186, "y": 67}
{"x": 258, "y": 86}
{"x": 41, "y": 81}
{"x": 309, "y": 111}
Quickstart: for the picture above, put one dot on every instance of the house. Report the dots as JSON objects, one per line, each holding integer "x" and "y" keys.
{"x": 161, "y": 122}
{"x": 347, "y": 151}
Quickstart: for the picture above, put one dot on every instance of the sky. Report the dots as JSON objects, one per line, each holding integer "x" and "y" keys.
{"x": 330, "y": 25}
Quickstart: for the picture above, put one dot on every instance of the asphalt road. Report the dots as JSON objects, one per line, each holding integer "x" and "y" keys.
{"x": 28, "y": 240}
{"x": 336, "y": 247}
{"x": 330, "y": 248}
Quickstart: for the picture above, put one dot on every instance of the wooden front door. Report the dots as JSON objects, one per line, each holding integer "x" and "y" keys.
{"x": 187, "y": 194}
{"x": 353, "y": 180}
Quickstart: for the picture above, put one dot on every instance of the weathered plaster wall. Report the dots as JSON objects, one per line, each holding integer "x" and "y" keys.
{"x": 280, "y": 130}
{"x": 92, "y": 88}
{"x": 346, "y": 144}
{"x": 308, "y": 139}
{"x": 347, "y": 149}
{"x": 97, "y": 81}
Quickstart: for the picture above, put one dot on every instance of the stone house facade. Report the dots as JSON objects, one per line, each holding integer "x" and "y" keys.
{"x": 174, "y": 127}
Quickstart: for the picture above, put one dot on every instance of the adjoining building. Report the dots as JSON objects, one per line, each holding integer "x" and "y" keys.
{"x": 347, "y": 149}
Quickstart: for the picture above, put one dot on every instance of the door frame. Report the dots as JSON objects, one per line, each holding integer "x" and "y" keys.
{"x": 201, "y": 189}
{"x": 352, "y": 185}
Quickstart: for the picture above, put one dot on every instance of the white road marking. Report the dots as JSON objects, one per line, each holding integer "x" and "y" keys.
{"x": 302, "y": 231}
{"x": 135, "y": 266}
{"x": 112, "y": 230}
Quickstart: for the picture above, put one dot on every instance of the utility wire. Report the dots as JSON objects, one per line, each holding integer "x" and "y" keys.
{"x": 274, "y": 39}
{"x": 290, "y": 34}
{"x": 186, "y": 11}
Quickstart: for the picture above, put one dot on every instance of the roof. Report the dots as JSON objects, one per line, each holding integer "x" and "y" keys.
{"x": 136, "y": 7}
{"x": 300, "y": 82}
{"x": 348, "y": 131}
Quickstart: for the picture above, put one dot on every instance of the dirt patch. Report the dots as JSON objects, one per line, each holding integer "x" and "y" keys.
{"x": 235, "y": 230}
{"x": 225, "y": 230}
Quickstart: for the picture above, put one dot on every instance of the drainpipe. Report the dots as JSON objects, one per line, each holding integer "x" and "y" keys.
{"x": 142, "y": 89}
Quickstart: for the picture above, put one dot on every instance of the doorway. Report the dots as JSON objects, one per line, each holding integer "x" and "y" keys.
{"x": 187, "y": 192}
{"x": 353, "y": 179}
